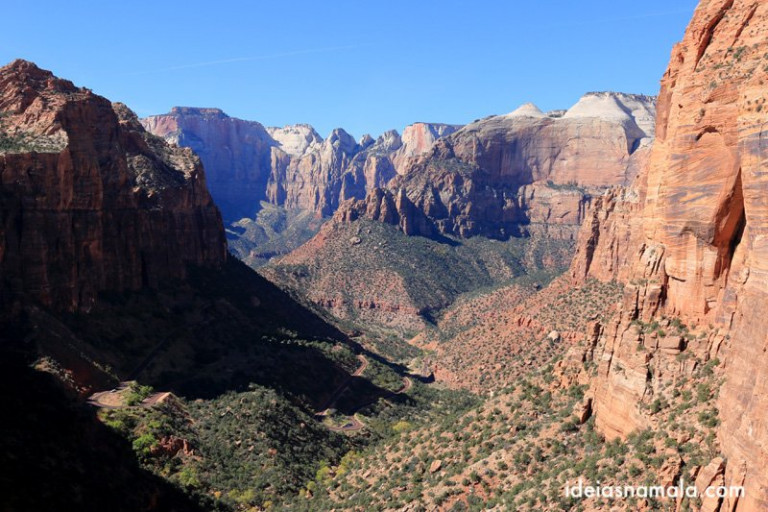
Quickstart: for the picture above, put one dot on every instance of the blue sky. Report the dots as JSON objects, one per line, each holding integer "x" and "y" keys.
{"x": 364, "y": 66}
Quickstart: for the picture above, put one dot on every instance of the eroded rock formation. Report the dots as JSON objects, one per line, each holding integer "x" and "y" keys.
{"x": 293, "y": 166}
{"x": 89, "y": 201}
{"x": 689, "y": 243}
{"x": 509, "y": 175}
{"x": 527, "y": 172}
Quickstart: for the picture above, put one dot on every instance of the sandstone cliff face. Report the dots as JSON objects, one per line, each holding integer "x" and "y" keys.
{"x": 691, "y": 244}
{"x": 390, "y": 208}
{"x": 88, "y": 200}
{"x": 296, "y": 139}
{"x": 520, "y": 173}
{"x": 292, "y": 167}
{"x": 336, "y": 169}
{"x": 239, "y": 156}
{"x": 418, "y": 138}
{"x": 589, "y": 145}
{"x": 527, "y": 172}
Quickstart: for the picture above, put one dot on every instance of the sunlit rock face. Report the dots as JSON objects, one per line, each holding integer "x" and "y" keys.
{"x": 689, "y": 240}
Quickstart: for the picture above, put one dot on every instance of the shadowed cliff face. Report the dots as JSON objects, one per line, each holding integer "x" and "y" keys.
{"x": 689, "y": 239}
{"x": 238, "y": 155}
{"x": 113, "y": 267}
{"x": 88, "y": 198}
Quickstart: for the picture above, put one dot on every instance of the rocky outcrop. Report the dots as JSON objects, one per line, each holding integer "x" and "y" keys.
{"x": 528, "y": 172}
{"x": 390, "y": 208}
{"x": 296, "y": 139}
{"x": 334, "y": 170}
{"x": 693, "y": 247}
{"x": 291, "y": 167}
{"x": 239, "y": 156}
{"x": 418, "y": 138}
{"x": 89, "y": 201}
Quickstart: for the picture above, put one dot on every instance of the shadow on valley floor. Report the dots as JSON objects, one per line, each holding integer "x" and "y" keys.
{"x": 222, "y": 331}
{"x": 226, "y": 336}
{"x": 55, "y": 454}
{"x": 251, "y": 365}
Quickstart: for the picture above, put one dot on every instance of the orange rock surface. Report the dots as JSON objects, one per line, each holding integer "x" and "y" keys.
{"x": 690, "y": 239}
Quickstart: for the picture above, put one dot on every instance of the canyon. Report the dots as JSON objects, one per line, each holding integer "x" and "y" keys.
{"x": 525, "y": 175}
{"x": 455, "y": 318}
{"x": 502, "y": 176}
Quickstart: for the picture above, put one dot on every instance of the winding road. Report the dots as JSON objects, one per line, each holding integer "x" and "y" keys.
{"x": 354, "y": 424}
{"x": 113, "y": 399}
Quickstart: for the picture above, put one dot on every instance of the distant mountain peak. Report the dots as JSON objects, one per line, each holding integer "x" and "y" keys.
{"x": 526, "y": 110}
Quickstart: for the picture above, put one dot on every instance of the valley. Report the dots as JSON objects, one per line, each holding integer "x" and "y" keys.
{"x": 202, "y": 312}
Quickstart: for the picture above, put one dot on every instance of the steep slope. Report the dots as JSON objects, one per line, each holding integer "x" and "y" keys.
{"x": 689, "y": 244}
{"x": 87, "y": 198}
{"x": 374, "y": 278}
{"x": 114, "y": 268}
{"x": 527, "y": 171}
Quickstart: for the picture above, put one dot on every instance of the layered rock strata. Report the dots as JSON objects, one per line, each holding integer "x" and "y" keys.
{"x": 89, "y": 201}
{"x": 528, "y": 172}
{"x": 689, "y": 241}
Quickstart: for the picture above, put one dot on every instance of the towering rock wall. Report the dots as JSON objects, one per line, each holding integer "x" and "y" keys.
{"x": 529, "y": 172}
{"x": 336, "y": 169}
{"x": 88, "y": 200}
{"x": 239, "y": 156}
{"x": 689, "y": 241}
{"x": 292, "y": 166}
{"x": 523, "y": 172}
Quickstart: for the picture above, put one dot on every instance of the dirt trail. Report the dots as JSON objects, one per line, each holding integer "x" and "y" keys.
{"x": 114, "y": 399}
{"x": 354, "y": 424}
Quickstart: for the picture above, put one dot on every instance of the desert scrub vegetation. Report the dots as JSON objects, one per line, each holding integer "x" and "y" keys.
{"x": 570, "y": 310}
{"x": 258, "y": 448}
{"x": 421, "y": 276}
{"x": 519, "y": 448}
{"x": 137, "y": 393}
{"x": 490, "y": 340}
{"x": 245, "y": 449}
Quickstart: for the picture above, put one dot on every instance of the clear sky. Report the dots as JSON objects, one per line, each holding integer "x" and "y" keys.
{"x": 367, "y": 66}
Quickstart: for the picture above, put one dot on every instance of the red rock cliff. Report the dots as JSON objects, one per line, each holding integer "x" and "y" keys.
{"x": 691, "y": 241}
{"x": 527, "y": 171}
{"x": 88, "y": 200}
